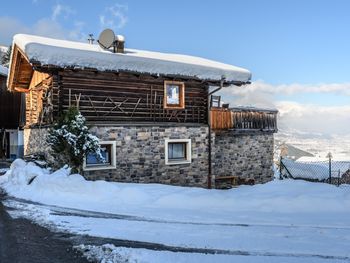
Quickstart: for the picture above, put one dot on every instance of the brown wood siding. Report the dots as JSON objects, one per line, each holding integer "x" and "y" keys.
{"x": 10, "y": 107}
{"x": 36, "y": 101}
{"x": 110, "y": 97}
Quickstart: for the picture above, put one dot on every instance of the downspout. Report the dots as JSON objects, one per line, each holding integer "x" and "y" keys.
{"x": 209, "y": 131}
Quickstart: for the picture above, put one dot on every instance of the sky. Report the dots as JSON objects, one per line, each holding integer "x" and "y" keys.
{"x": 298, "y": 51}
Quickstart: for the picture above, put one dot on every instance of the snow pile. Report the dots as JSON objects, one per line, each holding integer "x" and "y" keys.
{"x": 169, "y": 202}
{"x": 62, "y": 53}
{"x": 109, "y": 253}
{"x": 3, "y": 70}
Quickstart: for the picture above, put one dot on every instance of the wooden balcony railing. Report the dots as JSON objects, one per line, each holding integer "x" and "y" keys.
{"x": 243, "y": 119}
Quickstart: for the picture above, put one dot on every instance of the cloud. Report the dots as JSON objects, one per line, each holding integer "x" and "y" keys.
{"x": 114, "y": 17}
{"x": 61, "y": 10}
{"x": 46, "y": 26}
{"x": 8, "y": 27}
{"x": 314, "y": 118}
{"x": 290, "y": 89}
{"x": 292, "y": 114}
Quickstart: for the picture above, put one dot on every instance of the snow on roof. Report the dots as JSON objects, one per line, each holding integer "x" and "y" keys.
{"x": 3, "y": 70}
{"x": 63, "y": 53}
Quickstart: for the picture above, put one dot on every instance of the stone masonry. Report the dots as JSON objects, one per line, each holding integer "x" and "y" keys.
{"x": 140, "y": 155}
{"x": 248, "y": 156}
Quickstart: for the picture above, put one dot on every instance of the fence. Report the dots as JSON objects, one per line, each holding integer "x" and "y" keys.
{"x": 328, "y": 171}
{"x": 243, "y": 118}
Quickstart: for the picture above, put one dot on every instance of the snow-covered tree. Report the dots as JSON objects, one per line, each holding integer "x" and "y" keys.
{"x": 5, "y": 58}
{"x": 71, "y": 141}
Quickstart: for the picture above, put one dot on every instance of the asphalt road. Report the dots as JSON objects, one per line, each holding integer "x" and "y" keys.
{"x": 24, "y": 242}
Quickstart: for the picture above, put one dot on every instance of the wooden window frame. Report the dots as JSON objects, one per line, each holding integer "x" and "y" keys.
{"x": 181, "y": 95}
{"x": 113, "y": 157}
{"x": 188, "y": 152}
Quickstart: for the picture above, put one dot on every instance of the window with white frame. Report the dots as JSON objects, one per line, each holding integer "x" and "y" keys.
{"x": 108, "y": 151}
{"x": 177, "y": 151}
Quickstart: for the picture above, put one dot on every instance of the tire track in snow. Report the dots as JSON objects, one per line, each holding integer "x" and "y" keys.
{"x": 65, "y": 211}
{"x": 161, "y": 247}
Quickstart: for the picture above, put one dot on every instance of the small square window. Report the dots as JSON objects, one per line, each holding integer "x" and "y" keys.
{"x": 174, "y": 95}
{"x": 108, "y": 151}
{"x": 177, "y": 151}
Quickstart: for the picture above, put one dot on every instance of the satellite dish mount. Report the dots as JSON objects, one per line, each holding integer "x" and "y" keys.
{"x": 108, "y": 39}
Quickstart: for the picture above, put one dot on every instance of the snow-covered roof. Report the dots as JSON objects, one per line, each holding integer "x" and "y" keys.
{"x": 3, "y": 70}
{"x": 63, "y": 53}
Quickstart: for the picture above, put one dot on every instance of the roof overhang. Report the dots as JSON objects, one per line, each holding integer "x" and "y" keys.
{"x": 22, "y": 74}
{"x": 21, "y": 71}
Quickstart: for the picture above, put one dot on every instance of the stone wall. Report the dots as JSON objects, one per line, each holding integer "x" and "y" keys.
{"x": 141, "y": 157}
{"x": 35, "y": 141}
{"x": 248, "y": 156}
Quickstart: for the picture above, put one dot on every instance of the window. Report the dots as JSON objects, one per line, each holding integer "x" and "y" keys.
{"x": 174, "y": 95}
{"x": 177, "y": 151}
{"x": 108, "y": 151}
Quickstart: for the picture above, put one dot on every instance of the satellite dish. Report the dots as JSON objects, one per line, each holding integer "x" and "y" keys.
{"x": 106, "y": 38}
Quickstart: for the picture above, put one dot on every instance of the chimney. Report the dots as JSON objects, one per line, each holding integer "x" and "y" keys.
{"x": 119, "y": 42}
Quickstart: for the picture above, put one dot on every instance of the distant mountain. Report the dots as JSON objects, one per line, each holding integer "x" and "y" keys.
{"x": 294, "y": 153}
{"x": 316, "y": 144}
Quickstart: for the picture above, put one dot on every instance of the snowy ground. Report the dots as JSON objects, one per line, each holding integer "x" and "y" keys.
{"x": 282, "y": 221}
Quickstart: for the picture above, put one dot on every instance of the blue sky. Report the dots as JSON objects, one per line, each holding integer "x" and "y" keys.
{"x": 298, "y": 51}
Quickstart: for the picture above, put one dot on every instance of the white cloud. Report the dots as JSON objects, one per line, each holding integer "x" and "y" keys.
{"x": 46, "y": 26}
{"x": 114, "y": 17}
{"x": 61, "y": 10}
{"x": 314, "y": 118}
{"x": 290, "y": 89}
{"x": 295, "y": 115}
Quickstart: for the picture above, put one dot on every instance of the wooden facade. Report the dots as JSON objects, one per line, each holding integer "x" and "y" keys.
{"x": 111, "y": 98}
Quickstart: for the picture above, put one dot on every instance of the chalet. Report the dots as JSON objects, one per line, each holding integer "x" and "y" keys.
{"x": 154, "y": 113}
{"x": 11, "y": 136}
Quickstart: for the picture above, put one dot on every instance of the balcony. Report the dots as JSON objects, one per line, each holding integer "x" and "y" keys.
{"x": 243, "y": 119}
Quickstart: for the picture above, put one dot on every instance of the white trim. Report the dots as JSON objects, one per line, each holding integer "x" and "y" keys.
{"x": 188, "y": 151}
{"x": 113, "y": 164}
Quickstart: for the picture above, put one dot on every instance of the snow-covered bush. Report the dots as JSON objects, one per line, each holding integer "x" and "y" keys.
{"x": 71, "y": 141}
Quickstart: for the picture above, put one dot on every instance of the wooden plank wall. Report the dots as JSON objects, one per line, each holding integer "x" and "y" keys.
{"x": 10, "y": 106}
{"x": 220, "y": 119}
{"x": 111, "y": 97}
{"x": 223, "y": 119}
{"x": 36, "y": 100}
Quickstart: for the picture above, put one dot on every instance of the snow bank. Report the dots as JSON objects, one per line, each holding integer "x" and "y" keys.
{"x": 171, "y": 202}
{"x": 109, "y": 253}
{"x": 64, "y": 53}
